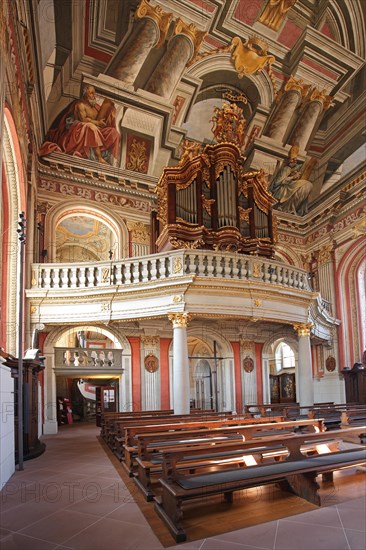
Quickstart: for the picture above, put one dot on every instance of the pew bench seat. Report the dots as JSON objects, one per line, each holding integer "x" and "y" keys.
{"x": 238, "y": 456}
{"x": 296, "y": 473}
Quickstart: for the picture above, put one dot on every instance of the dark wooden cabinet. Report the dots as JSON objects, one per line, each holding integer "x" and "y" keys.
{"x": 283, "y": 388}
{"x": 105, "y": 401}
{"x": 32, "y": 367}
{"x": 355, "y": 382}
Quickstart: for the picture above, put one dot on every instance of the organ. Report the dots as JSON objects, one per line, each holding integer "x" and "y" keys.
{"x": 208, "y": 201}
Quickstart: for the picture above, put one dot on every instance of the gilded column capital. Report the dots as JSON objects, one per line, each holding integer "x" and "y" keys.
{"x": 180, "y": 319}
{"x": 161, "y": 18}
{"x": 296, "y": 85}
{"x": 320, "y": 96}
{"x": 325, "y": 254}
{"x": 189, "y": 30}
{"x": 303, "y": 329}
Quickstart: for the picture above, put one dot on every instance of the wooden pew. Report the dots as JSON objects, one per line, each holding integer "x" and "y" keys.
{"x": 151, "y": 447}
{"x": 116, "y": 429}
{"x": 126, "y": 446}
{"x": 109, "y": 418}
{"x": 296, "y": 473}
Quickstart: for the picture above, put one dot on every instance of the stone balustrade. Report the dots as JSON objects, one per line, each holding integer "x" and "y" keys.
{"x": 88, "y": 358}
{"x": 157, "y": 267}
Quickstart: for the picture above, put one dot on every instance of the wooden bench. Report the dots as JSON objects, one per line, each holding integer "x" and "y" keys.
{"x": 126, "y": 447}
{"x": 116, "y": 431}
{"x": 151, "y": 447}
{"x": 109, "y": 418}
{"x": 296, "y": 473}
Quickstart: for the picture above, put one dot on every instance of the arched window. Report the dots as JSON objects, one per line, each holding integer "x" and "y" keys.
{"x": 285, "y": 357}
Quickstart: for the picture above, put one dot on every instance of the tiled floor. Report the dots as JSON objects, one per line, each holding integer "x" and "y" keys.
{"x": 72, "y": 497}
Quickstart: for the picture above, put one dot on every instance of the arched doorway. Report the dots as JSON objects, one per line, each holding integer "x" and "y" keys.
{"x": 84, "y": 365}
{"x": 280, "y": 371}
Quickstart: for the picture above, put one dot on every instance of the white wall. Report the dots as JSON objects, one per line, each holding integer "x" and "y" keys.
{"x": 7, "y": 459}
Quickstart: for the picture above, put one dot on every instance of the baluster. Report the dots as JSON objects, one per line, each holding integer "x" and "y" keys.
{"x": 227, "y": 268}
{"x": 158, "y": 268}
{"x": 127, "y": 274}
{"x": 118, "y": 274}
{"x": 235, "y": 269}
{"x": 111, "y": 359}
{"x": 285, "y": 276}
{"x": 52, "y": 278}
{"x": 240, "y": 267}
{"x": 210, "y": 267}
{"x": 39, "y": 277}
{"x": 73, "y": 281}
{"x": 291, "y": 278}
{"x": 82, "y": 277}
{"x": 246, "y": 270}
{"x": 203, "y": 266}
{"x": 153, "y": 269}
{"x": 144, "y": 271}
{"x": 63, "y": 277}
{"x": 191, "y": 266}
{"x": 47, "y": 278}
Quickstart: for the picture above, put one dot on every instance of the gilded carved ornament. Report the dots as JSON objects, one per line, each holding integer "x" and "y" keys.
{"x": 244, "y": 214}
{"x": 247, "y": 345}
{"x": 150, "y": 341}
{"x": 303, "y": 329}
{"x": 325, "y": 254}
{"x": 191, "y": 245}
{"x": 250, "y": 57}
{"x": 207, "y": 204}
{"x": 257, "y": 270}
{"x": 177, "y": 265}
{"x": 140, "y": 233}
{"x": 274, "y": 228}
{"x": 138, "y": 159}
{"x": 161, "y": 18}
{"x": 274, "y": 13}
{"x": 180, "y": 320}
{"x": 191, "y": 32}
{"x": 177, "y": 298}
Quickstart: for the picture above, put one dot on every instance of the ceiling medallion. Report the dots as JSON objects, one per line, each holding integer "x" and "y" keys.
{"x": 151, "y": 363}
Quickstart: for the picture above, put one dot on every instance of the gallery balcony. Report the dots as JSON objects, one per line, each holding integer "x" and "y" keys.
{"x": 202, "y": 282}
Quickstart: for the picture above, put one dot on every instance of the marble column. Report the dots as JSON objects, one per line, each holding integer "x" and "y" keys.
{"x": 293, "y": 92}
{"x": 150, "y": 29}
{"x": 314, "y": 105}
{"x": 181, "y": 390}
{"x": 305, "y": 389}
{"x": 184, "y": 43}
